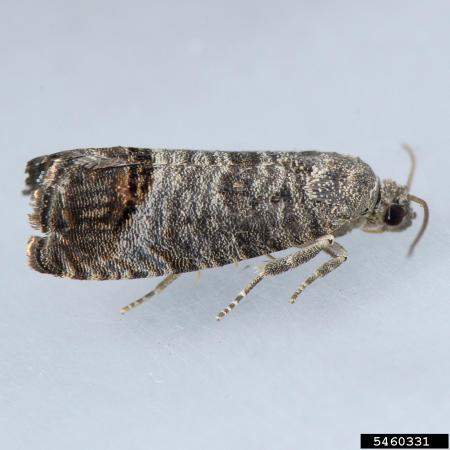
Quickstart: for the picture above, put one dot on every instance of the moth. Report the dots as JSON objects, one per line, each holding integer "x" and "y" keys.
{"x": 123, "y": 212}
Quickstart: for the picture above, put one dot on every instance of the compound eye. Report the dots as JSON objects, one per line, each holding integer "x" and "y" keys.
{"x": 394, "y": 215}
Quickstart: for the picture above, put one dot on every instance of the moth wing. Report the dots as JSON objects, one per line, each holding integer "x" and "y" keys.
{"x": 80, "y": 199}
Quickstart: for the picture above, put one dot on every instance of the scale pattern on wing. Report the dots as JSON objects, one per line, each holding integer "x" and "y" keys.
{"x": 131, "y": 213}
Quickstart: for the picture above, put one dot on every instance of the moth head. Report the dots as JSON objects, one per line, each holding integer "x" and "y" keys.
{"x": 393, "y": 210}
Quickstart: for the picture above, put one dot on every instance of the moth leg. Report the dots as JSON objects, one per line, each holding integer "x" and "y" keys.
{"x": 280, "y": 265}
{"x": 159, "y": 287}
{"x": 338, "y": 254}
{"x": 240, "y": 296}
{"x": 260, "y": 267}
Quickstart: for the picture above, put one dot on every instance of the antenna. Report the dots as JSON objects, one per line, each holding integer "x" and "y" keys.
{"x": 426, "y": 216}
{"x": 412, "y": 171}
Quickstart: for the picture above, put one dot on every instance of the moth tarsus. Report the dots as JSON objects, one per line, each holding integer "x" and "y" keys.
{"x": 122, "y": 212}
{"x": 158, "y": 289}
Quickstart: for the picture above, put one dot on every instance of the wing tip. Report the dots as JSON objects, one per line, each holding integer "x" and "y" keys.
{"x": 34, "y": 254}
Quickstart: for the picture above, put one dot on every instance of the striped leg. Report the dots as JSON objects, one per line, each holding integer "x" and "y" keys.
{"x": 159, "y": 287}
{"x": 339, "y": 255}
{"x": 280, "y": 265}
{"x": 240, "y": 296}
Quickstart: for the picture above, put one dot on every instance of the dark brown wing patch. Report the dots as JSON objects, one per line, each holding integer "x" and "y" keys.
{"x": 81, "y": 207}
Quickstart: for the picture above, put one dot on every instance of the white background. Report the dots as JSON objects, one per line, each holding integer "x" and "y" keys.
{"x": 365, "y": 350}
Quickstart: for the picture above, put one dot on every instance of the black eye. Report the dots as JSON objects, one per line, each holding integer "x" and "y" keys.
{"x": 394, "y": 215}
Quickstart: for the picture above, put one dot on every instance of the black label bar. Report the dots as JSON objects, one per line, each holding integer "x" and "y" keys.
{"x": 404, "y": 441}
